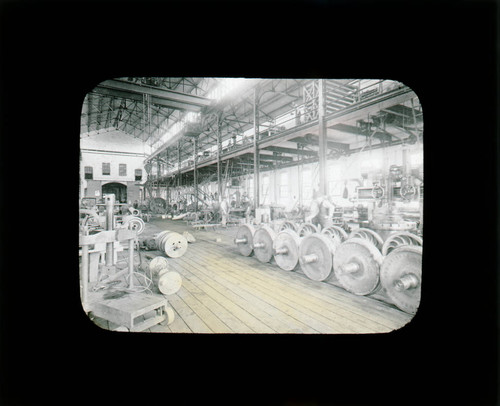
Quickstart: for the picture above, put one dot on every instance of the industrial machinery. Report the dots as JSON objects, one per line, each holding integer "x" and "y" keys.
{"x": 112, "y": 294}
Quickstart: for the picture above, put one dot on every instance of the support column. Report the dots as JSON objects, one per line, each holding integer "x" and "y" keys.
{"x": 219, "y": 150}
{"x": 323, "y": 148}
{"x": 195, "y": 174}
{"x": 301, "y": 180}
{"x": 179, "y": 163}
{"x": 256, "y": 161}
{"x": 158, "y": 175}
{"x": 167, "y": 184}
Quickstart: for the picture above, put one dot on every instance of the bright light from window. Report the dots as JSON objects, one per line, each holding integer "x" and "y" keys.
{"x": 416, "y": 158}
{"x": 225, "y": 87}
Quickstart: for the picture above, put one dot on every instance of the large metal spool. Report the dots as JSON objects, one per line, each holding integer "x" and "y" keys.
{"x": 157, "y": 264}
{"x": 172, "y": 243}
{"x": 316, "y": 256}
{"x": 168, "y": 282}
{"x": 306, "y": 229}
{"x": 244, "y": 239}
{"x": 286, "y": 249}
{"x": 399, "y": 239}
{"x": 401, "y": 277}
{"x": 369, "y": 235}
{"x": 357, "y": 266}
{"x": 263, "y": 240}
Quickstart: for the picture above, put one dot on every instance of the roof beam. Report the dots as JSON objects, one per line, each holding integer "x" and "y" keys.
{"x": 313, "y": 139}
{"x": 292, "y": 151}
{"x": 162, "y": 97}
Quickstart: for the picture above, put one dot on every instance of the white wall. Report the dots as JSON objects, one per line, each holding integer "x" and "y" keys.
{"x": 115, "y": 148}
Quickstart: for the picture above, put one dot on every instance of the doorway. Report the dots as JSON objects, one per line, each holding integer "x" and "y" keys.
{"x": 118, "y": 189}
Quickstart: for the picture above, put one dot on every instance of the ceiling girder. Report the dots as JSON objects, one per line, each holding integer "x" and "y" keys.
{"x": 163, "y": 97}
{"x": 292, "y": 151}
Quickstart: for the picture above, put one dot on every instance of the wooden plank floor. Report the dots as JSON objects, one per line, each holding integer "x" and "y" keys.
{"x": 225, "y": 292}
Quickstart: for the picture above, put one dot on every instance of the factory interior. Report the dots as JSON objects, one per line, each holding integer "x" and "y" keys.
{"x": 251, "y": 205}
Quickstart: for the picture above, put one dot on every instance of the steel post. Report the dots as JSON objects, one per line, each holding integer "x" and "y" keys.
{"x": 323, "y": 146}
{"x": 256, "y": 162}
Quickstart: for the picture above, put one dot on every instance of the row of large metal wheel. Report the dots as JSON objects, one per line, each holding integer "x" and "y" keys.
{"x": 361, "y": 262}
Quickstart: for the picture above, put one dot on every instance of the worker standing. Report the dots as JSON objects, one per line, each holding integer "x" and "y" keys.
{"x": 314, "y": 211}
{"x": 326, "y": 210}
{"x": 224, "y": 211}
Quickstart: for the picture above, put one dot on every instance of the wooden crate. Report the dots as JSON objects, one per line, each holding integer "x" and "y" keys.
{"x": 125, "y": 309}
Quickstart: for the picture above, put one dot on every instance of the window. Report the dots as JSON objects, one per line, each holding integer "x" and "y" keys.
{"x": 106, "y": 168}
{"x": 284, "y": 185}
{"x": 89, "y": 172}
{"x": 138, "y": 174}
{"x": 122, "y": 170}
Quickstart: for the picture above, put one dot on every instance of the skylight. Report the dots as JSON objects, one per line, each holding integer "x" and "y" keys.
{"x": 223, "y": 88}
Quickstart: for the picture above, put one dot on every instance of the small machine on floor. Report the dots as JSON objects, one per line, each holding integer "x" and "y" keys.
{"x": 125, "y": 308}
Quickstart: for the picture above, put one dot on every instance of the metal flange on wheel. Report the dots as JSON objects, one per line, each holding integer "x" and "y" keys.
{"x": 357, "y": 266}
{"x": 401, "y": 277}
{"x": 399, "y": 239}
{"x": 244, "y": 239}
{"x": 288, "y": 225}
{"x": 316, "y": 256}
{"x": 369, "y": 235}
{"x": 263, "y": 243}
{"x": 306, "y": 229}
{"x": 286, "y": 249}
{"x": 335, "y": 232}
